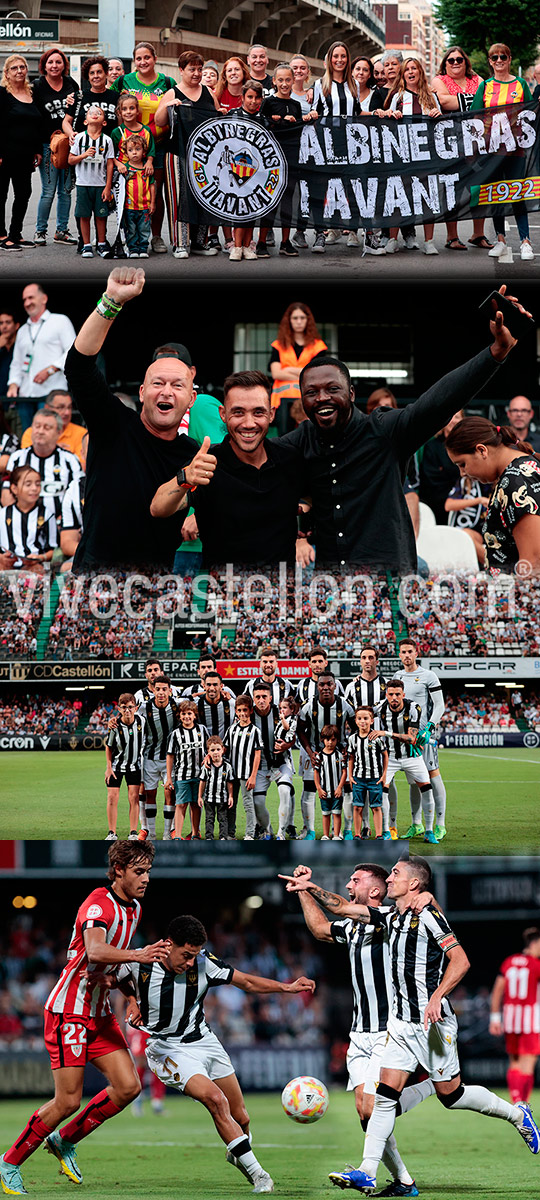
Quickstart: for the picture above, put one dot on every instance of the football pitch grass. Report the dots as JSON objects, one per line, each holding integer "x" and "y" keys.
{"x": 492, "y": 799}
{"x": 180, "y": 1155}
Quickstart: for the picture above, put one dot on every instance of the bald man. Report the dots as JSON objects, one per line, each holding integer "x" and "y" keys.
{"x": 520, "y": 413}
{"x": 129, "y": 453}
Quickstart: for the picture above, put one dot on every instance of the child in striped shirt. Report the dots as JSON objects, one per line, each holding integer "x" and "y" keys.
{"x": 216, "y": 790}
{"x": 186, "y": 749}
{"x": 243, "y": 743}
{"x": 92, "y": 155}
{"x": 367, "y": 769}
{"x": 329, "y": 777}
{"x": 140, "y": 201}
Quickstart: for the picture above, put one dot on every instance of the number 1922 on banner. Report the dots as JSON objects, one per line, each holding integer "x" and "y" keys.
{"x": 506, "y": 191}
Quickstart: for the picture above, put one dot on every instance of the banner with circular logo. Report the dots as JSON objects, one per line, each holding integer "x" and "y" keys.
{"x": 236, "y": 170}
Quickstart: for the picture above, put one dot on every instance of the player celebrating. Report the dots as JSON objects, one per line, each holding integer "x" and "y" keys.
{"x": 182, "y": 1051}
{"x": 399, "y": 721}
{"x": 269, "y": 674}
{"x": 160, "y": 718}
{"x": 424, "y": 688}
{"x": 372, "y": 990}
{"x": 79, "y": 1024}
{"x": 123, "y": 752}
{"x": 326, "y": 708}
{"x": 427, "y": 963}
{"x": 515, "y": 1011}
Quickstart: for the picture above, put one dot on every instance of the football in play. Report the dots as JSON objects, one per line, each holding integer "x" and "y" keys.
{"x": 305, "y": 1099}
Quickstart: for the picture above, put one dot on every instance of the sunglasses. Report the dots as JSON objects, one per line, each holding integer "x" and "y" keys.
{"x": 455, "y": 62}
{"x": 496, "y": 57}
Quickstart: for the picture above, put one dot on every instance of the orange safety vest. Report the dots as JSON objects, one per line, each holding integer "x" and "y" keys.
{"x": 285, "y": 389}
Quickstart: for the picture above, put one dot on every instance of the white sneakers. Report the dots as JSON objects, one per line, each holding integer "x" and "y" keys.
{"x": 429, "y": 247}
{"x": 526, "y": 252}
{"x": 498, "y": 249}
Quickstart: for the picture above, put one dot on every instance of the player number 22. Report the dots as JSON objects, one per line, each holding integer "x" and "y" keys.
{"x": 74, "y": 1035}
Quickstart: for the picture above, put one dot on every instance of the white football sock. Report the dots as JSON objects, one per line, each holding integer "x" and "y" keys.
{"x": 241, "y": 1149}
{"x": 416, "y": 804}
{"x": 428, "y": 809}
{"x": 479, "y": 1099}
{"x": 379, "y": 1130}
{"x": 392, "y": 800}
{"x": 385, "y": 812}
{"x": 307, "y": 805}
{"x": 414, "y": 1094}
{"x": 347, "y": 812}
{"x": 439, "y": 796}
{"x": 392, "y": 1159}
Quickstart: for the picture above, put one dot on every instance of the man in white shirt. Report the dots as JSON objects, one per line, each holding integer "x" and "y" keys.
{"x": 39, "y": 353}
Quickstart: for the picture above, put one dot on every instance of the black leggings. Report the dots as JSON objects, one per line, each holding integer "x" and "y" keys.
{"x": 19, "y": 174}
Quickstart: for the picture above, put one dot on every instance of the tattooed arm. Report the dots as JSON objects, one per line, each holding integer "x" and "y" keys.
{"x": 340, "y": 907}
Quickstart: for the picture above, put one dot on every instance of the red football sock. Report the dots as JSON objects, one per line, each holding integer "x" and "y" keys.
{"x": 29, "y": 1140}
{"x": 157, "y": 1087}
{"x": 96, "y": 1112}
{"x": 514, "y": 1081}
{"x": 527, "y": 1084}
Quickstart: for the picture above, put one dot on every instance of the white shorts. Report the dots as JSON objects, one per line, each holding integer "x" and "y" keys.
{"x": 175, "y": 1062}
{"x": 430, "y": 755}
{"x": 153, "y": 769}
{"x": 265, "y": 777}
{"x": 414, "y": 769}
{"x": 364, "y": 1060}
{"x": 408, "y": 1045}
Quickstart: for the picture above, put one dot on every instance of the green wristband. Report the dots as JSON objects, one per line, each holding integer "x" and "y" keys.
{"x": 107, "y": 307}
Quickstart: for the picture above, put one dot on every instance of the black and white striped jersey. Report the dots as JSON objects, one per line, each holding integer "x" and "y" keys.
{"x": 126, "y": 743}
{"x": 196, "y": 689}
{"x": 285, "y": 735}
{"x": 330, "y": 770}
{"x": 370, "y": 972}
{"x": 28, "y": 533}
{"x": 189, "y": 749}
{"x": 8, "y": 443}
{"x": 216, "y": 780}
{"x": 144, "y": 694}
{"x": 172, "y": 1005}
{"x": 217, "y": 717}
{"x": 365, "y": 691}
{"x": 418, "y": 945}
{"x": 340, "y": 101}
{"x": 73, "y": 504}
{"x": 405, "y": 721}
{"x": 368, "y": 757}
{"x": 306, "y": 689}
{"x": 280, "y": 687}
{"x": 241, "y": 745}
{"x": 158, "y": 726}
{"x": 314, "y": 716}
{"x": 423, "y": 687}
{"x": 267, "y": 726}
{"x": 56, "y": 471}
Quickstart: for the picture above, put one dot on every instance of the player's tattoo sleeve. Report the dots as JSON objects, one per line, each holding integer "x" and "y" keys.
{"x": 328, "y": 900}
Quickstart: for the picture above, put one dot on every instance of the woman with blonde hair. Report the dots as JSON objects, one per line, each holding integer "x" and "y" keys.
{"x": 21, "y": 142}
{"x": 411, "y": 96}
{"x": 297, "y": 343}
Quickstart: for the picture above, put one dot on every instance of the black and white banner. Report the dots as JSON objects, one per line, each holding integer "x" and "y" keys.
{"x": 362, "y": 171}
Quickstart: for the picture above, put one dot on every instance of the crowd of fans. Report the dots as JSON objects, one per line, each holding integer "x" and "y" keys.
{"x": 40, "y": 714}
{"x": 96, "y": 631}
{"x": 462, "y": 616}
{"x": 127, "y": 116}
{"x": 31, "y": 959}
{"x": 18, "y": 629}
{"x": 470, "y": 712}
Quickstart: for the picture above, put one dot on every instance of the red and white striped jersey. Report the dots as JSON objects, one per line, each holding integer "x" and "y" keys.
{"x": 521, "y": 1001}
{"x": 74, "y": 993}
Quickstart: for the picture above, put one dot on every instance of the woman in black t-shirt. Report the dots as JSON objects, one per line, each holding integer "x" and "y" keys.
{"x": 190, "y": 93}
{"x": 55, "y": 94}
{"x": 511, "y": 529}
{"x": 94, "y": 71}
{"x": 21, "y": 137}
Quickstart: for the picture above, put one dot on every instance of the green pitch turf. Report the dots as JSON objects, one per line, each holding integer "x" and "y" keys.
{"x": 492, "y": 799}
{"x": 180, "y": 1155}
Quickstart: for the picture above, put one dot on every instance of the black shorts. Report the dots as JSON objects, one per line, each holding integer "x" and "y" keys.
{"x": 115, "y": 779}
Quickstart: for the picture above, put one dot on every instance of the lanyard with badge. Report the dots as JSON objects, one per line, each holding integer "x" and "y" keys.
{"x": 30, "y": 353}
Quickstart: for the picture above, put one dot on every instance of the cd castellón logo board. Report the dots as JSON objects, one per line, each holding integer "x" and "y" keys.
{"x": 236, "y": 169}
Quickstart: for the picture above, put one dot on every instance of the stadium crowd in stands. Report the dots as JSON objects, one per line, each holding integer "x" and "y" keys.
{"x": 40, "y": 714}
{"x": 471, "y": 712}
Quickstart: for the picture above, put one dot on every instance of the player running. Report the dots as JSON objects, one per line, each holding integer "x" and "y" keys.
{"x": 427, "y": 963}
{"x": 372, "y": 992}
{"x": 515, "y": 1011}
{"x": 167, "y": 1001}
{"x": 79, "y": 1024}
{"x": 423, "y": 687}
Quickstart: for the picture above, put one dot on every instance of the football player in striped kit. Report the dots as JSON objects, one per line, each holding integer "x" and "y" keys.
{"x": 216, "y": 708}
{"x": 153, "y": 669}
{"x": 160, "y": 718}
{"x": 266, "y": 718}
{"x": 269, "y": 674}
{"x": 167, "y": 1002}
{"x": 372, "y": 999}
{"x": 424, "y": 688}
{"x": 515, "y": 1011}
{"x": 326, "y": 708}
{"x": 123, "y": 752}
{"x": 399, "y": 720}
{"x": 427, "y": 963}
{"x": 79, "y": 1024}
{"x": 243, "y": 746}
{"x": 186, "y": 749}
{"x": 206, "y": 663}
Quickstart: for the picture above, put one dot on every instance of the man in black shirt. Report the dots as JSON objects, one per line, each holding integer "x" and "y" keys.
{"x": 129, "y": 454}
{"x": 355, "y": 465}
{"x": 247, "y": 513}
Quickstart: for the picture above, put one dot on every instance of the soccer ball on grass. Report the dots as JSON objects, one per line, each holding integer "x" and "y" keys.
{"x": 305, "y": 1099}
